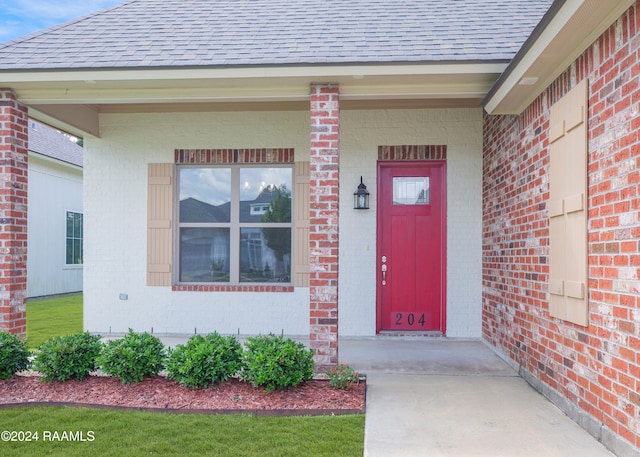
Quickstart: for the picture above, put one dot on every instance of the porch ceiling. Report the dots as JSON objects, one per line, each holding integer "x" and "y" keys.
{"x": 73, "y": 99}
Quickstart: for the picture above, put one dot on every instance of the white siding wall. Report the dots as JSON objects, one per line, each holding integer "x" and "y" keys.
{"x": 54, "y": 189}
{"x": 115, "y": 217}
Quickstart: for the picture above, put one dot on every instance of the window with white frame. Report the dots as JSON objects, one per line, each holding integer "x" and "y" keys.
{"x": 234, "y": 224}
{"x": 74, "y": 238}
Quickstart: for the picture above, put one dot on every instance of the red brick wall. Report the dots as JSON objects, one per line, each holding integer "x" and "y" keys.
{"x": 14, "y": 128}
{"x": 323, "y": 223}
{"x": 596, "y": 368}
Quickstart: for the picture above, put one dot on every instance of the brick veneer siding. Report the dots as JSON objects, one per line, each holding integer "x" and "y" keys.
{"x": 323, "y": 223}
{"x": 14, "y": 128}
{"x": 593, "y": 371}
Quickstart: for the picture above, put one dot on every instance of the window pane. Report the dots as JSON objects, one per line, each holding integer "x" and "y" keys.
{"x": 205, "y": 194}
{"x": 69, "y": 260}
{"x": 74, "y": 239}
{"x": 77, "y": 225}
{"x": 204, "y": 255}
{"x": 77, "y": 252}
{"x": 265, "y": 255}
{"x": 265, "y": 194}
{"x": 411, "y": 191}
{"x": 69, "y": 224}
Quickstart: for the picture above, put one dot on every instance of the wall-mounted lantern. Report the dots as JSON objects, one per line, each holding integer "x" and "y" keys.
{"x": 361, "y": 197}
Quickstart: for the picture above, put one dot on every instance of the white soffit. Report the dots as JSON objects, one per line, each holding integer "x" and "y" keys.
{"x": 575, "y": 26}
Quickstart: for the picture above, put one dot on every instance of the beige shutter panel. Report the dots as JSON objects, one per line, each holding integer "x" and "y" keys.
{"x": 301, "y": 225}
{"x": 568, "y": 261}
{"x": 159, "y": 223}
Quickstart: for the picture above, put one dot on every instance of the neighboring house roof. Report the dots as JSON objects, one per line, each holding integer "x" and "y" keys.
{"x": 51, "y": 143}
{"x": 194, "y": 210}
{"x": 210, "y": 33}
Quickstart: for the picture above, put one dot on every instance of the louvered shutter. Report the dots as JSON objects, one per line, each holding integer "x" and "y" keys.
{"x": 159, "y": 224}
{"x": 301, "y": 225}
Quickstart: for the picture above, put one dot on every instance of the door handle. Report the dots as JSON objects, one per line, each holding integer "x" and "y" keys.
{"x": 384, "y": 275}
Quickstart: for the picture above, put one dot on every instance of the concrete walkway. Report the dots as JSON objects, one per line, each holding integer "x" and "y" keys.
{"x": 444, "y": 397}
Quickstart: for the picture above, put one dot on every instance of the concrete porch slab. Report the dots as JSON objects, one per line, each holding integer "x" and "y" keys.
{"x": 441, "y": 397}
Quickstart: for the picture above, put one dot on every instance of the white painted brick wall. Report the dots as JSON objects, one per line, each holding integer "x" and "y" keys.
{"x": 115, "y": 225}
{"x": 115, "y": 219}
{"x": 361, "y": 132}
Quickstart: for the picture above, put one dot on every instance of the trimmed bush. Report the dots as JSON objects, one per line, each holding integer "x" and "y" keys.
{"x": 70, "y": 356}
{"x": 14, "y": 355}
{"x": 274, "y": 362}
{"x": 133, "y": 357}
{"x": 204, "y": 360}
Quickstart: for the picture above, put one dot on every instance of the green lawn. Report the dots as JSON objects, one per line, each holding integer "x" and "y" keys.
{"x": 133, "y": 433}
{"x": 53, "y": 317}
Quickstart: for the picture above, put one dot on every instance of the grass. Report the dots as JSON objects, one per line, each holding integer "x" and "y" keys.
{"x": 133, "y": 433}
{"x": 53, "y": 317}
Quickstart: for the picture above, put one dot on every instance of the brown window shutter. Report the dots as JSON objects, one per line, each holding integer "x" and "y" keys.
{"x": 568, "y": 261}
{"x": 159, "y": 224}
{"x": 301, "y": 225}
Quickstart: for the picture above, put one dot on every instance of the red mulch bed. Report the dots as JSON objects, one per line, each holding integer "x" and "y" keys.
{"x": 160, "y": 394}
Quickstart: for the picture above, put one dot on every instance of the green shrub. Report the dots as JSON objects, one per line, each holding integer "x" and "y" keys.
{"x": 133, "y": 357}
{"x": 70, "y": 356}
{"x": 276, "y": 363}
{"x": 204, "y": 360}
{"x": 14, "y": 355}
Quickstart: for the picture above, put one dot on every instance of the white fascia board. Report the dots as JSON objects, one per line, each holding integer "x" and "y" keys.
{"x": 52, "y": 160}
{"x": 560, "y": 20}
{"x": 252, "y": 84}
{"x": 536, "y": 50}
{"x": 279, "y": 72}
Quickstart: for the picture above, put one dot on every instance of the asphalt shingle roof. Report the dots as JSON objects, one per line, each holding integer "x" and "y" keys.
{"x": 51, "y": 143}
{"x": 193, "y": 33}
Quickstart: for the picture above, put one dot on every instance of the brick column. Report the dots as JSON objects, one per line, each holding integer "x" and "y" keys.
{"x": 14, "y": 131}
{"x": 323, "y": 223}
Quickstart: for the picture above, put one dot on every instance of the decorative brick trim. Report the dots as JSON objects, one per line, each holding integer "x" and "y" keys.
{"x": 230, "y": 288}
{"x": 323, "y": 224}
{"x": 14, "y": 137}
{"x": 412, "y": 152}
{"x": 213, "y": 156}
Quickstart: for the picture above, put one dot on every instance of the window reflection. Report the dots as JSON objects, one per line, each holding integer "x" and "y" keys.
{"x": 205, "y": 194}
{"x": 265, "y": 255}
{"x": 260, "y": 189}
{"x": 411, "y": 191}
{"x": 204, "y": 255}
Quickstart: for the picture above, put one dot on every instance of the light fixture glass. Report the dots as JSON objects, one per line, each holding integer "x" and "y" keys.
{"x": 361, "y": 197}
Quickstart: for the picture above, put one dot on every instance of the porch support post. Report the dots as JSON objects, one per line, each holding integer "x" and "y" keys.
{"x": 323, "y": 223}
{"x": 14, "y": 137}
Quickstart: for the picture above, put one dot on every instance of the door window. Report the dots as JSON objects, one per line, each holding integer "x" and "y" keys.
{"x": 411, "y": 190}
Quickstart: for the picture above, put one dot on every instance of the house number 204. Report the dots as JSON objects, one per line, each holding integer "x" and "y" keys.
{"x": 410, "y": 319}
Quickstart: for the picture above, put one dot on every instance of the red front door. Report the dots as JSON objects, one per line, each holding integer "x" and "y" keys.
{"x": 411, "y": 246}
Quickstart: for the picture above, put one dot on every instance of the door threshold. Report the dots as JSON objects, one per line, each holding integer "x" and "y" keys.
{"x": 415, "y": 333}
